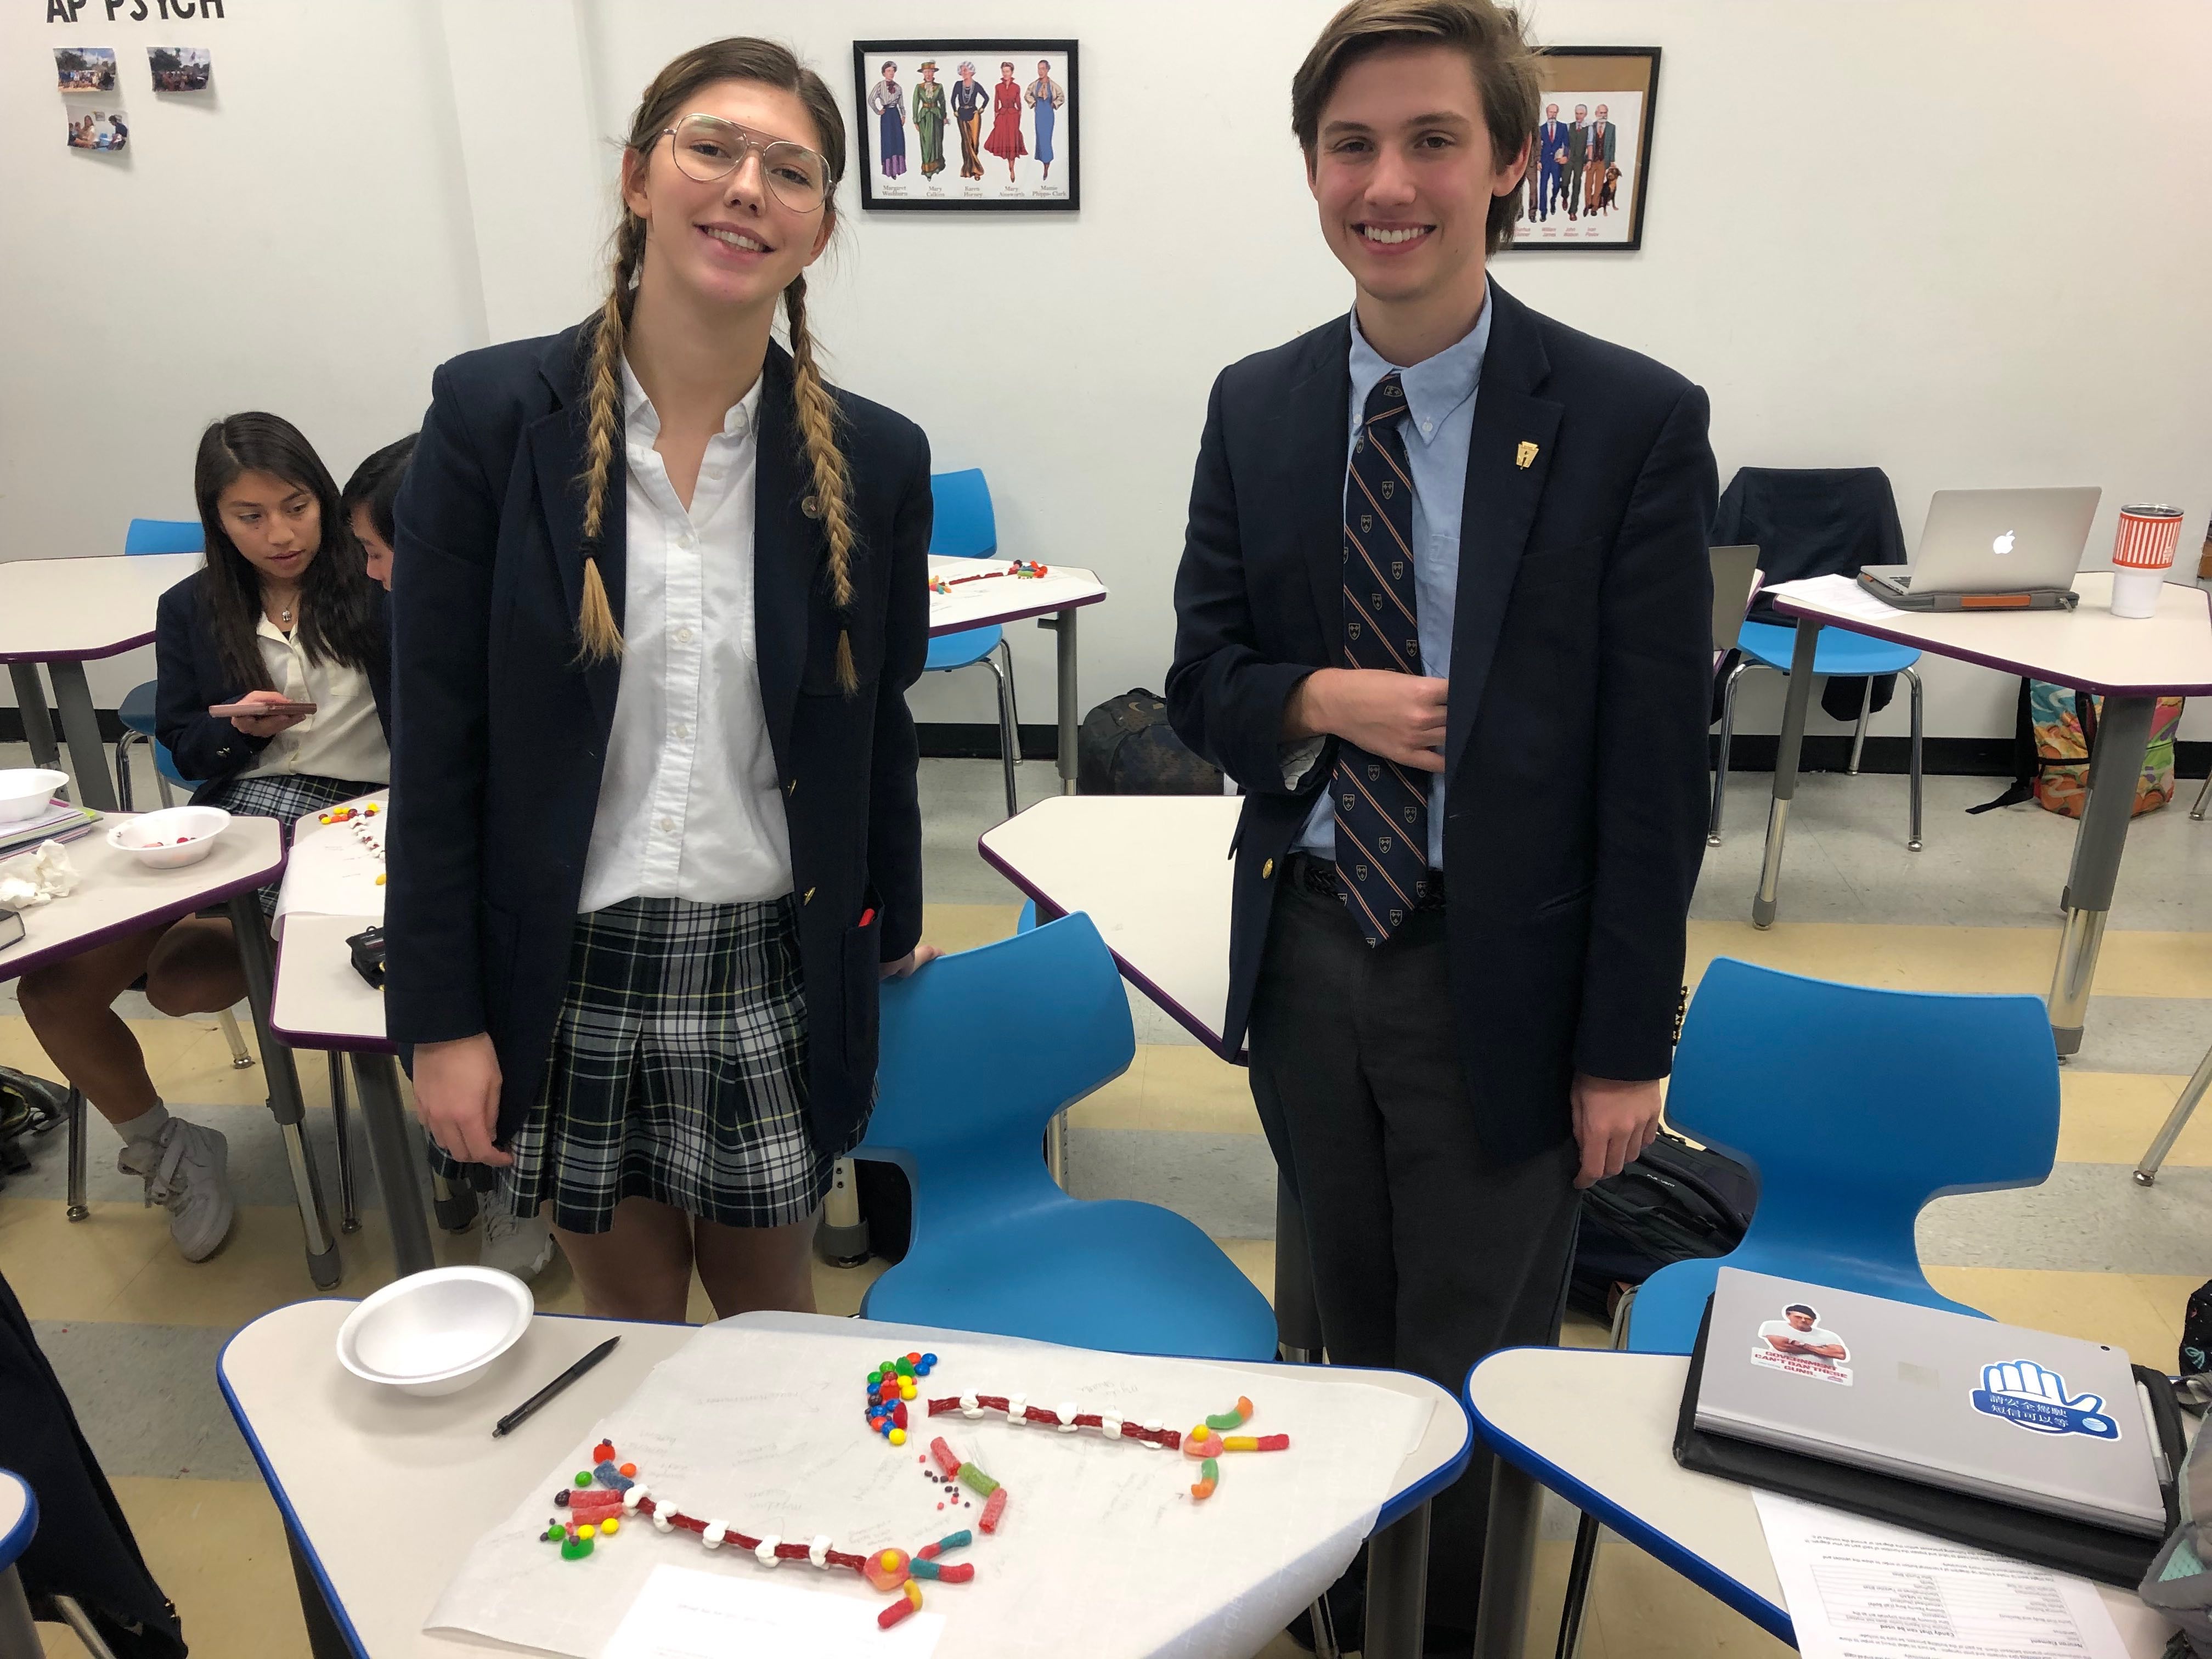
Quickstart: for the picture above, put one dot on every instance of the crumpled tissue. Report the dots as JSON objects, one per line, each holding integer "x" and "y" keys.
{"x": 37, "y": 877}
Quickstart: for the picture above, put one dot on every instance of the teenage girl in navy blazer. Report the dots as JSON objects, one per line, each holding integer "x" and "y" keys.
{"x": 283, "y": 610}
{"x": 659, "y": 593}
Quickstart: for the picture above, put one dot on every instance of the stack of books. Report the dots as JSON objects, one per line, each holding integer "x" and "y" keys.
{"x": 56, "y": 821}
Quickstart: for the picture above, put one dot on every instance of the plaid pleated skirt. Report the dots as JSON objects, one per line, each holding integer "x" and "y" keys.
{"x": 677, "y": 1072}
{"x": 285, "y": 797}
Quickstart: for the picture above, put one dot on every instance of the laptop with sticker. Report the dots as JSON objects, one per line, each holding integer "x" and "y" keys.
{"x": 2045, "y": 1422}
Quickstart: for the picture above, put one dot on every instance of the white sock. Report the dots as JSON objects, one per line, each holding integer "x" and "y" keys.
{"x": 147, "y": 1125}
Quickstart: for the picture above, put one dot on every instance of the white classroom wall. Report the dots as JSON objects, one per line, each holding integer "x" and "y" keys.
{"x": 1966, "y": 242}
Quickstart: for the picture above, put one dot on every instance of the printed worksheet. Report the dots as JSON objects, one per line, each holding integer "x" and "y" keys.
{"x": 682, "y": 1614}
{"x": 1862, "y": 1589}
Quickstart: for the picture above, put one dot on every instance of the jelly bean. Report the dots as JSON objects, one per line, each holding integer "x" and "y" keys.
{"x": 583, "y": 1477}
{"x": 628, "y": 1470}
{"x": 976, "y": 1481}
{"x": 901, "y": 1608}
{"x": 603, "y": 1451}
{"x": 992, "y": 1510}
{"x": 611, "y": 1525}
{"x": 897, "y": 1437}
{"x": 898, "y": 1414}
{"x": 562, "y": 1497}
{"x": 1234, "y": 1419}
{"x": 946, "y": 1458}
{"x": 575, "y": 1549}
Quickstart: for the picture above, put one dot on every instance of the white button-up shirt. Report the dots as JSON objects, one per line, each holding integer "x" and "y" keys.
{"x": 342, "y": 738}
{"x": 689, "y": 805}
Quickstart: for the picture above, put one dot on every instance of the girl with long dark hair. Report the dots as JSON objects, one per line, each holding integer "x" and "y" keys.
{"x": 660, "y": 592}
{"x": 282, "y": 613}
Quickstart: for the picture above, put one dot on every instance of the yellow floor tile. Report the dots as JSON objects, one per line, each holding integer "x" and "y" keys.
{"x": 2168, "y": 1295}
{"x": 1256, "y": 1256}
{"x": 1929, "y": 958}
{"x": 2109, "y": 1117}
{"x": 964, "y": 927}
{"x": 2120, "y": 1309}
{"x": 1642, "y": 1609}
{"x": 63, "y": 1270}
{"x": 1172, "y": 1085}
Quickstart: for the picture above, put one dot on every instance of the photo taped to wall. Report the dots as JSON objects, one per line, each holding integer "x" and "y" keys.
{"x": 978, "y": 124}
{"x": 179, "y": 68}
{"x": 85, "y": 68}
{"x": 102, "y": 129}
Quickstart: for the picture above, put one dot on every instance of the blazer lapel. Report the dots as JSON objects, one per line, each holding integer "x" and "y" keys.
{"x": 1509, "y": 455}
{"x": 787, "y": 546}
{"x": 1315, "y": 425}
{"x": 556, "y": 455}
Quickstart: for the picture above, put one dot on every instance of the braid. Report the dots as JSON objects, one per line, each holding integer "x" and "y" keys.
{"x": 599, "y": 636}
{"x": 817, "y": 421}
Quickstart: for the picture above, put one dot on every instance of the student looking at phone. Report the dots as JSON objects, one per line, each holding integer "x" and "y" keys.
{"x": 282, "y": 614}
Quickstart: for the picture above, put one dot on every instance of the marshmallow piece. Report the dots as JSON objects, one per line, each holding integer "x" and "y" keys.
{"x": 1109, "y": 1424}
{"x": 1068, "y": 1417}
{"x": 712, "y": 1538}
{"x": 1016, "y": 1404}
{"x": 660, "y": 1521}
{"x": 969, "y": 1407}
{"x": 765, "y": 1552}
{"x": 819, "y": 1551}
{"x": 1151, "y": 1426}
{"x": 635, "y": 1495}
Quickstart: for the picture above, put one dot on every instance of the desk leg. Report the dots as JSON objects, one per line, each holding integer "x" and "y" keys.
{"x": 1785, "y": 771}
{"x": 38, "y": 723}
{"x": 395, "y": 1151}
{"x": 284, "y": 1102}
{"x": 1297, "y": 1316}
{"x": 325, "y": 1639}
{"x": 1062, "y": 623}
{"x": 95, "y": 784}
{"x": 2123, "y": 735}
{"x": 19, "y": 1637}
{"x": 1398, "y": 1587}
{"x": 1509, "y": 1558}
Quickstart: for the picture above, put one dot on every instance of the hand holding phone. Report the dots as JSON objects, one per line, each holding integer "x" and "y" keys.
{"x": 263, "y": 714}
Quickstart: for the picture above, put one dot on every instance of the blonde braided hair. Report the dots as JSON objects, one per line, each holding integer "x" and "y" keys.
{"x": 736, "y": 60}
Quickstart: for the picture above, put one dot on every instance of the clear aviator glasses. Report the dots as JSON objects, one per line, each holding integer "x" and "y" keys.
{"x": 708, "y": 148}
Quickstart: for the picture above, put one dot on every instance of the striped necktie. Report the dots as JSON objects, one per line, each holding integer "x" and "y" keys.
{"x": 1381, "y": 808}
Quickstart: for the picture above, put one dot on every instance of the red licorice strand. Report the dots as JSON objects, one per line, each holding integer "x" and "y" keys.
{"x": 783, "y": 1551}
{"x": 995, "y": 1402}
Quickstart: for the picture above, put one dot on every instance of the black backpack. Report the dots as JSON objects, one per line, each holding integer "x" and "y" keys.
{"x": 1676, "y": 1202}
{"x": 1127, "y": 747}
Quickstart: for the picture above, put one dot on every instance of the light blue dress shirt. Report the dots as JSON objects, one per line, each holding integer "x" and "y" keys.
{"x": 1438, "y": 424}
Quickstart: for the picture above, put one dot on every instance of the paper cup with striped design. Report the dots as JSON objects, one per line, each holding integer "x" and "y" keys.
{"x": 2143, "y": 552}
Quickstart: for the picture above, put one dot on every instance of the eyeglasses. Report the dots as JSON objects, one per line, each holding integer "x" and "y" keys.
{"x": 708, "y": 148}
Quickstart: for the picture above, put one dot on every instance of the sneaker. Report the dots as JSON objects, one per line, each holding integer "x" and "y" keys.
{"x": 186, "y": 1169}
{"x": 521, "y": 1248}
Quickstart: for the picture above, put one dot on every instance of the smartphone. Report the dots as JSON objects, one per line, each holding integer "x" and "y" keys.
{"x": 225, "y": 710}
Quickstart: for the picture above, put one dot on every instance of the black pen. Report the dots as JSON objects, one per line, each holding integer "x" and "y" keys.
{"x": 516, "y": 1417}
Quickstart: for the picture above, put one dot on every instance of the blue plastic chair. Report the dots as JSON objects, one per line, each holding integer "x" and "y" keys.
{"x": 966, "y": 528}
{"x": 136, "y": 713}
{"x": 1856, "y": 1107}
{"x": 1838, "y": 650}
{"x": 979, "y": 1051}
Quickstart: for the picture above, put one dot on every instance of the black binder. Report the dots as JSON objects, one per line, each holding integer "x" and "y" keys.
{"x": 2049, "y": 1540}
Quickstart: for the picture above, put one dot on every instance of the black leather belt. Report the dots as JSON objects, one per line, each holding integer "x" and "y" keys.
{"x": 1319, "y": 876}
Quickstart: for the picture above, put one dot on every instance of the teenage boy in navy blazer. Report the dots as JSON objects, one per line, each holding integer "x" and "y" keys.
{"x": 1443, "y": 612}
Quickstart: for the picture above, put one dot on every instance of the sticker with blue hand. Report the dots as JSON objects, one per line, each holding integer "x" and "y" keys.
{"x": 2023, "y": 1393}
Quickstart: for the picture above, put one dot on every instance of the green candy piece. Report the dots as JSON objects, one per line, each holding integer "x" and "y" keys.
{"x": 976, "y": 1481}
{"x": 575, "y": 1549}
{"x": 1228, "y": 1419}
{"x": 1209, "y": 1470}
{"x": 583, "y": 1477}
{"x": 555, "y": 1535}
{"x": 906, "y": 1367}
{"x": 874, "y": 1377}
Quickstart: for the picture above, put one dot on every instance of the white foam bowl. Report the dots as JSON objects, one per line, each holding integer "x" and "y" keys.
{"x": 170, "y": 838}
{"x": 433, "y": 1333}
{"x": 25, "y": 791}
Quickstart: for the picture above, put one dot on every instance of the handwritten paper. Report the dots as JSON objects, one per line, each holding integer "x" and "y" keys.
{"x": 685, "y": 1614}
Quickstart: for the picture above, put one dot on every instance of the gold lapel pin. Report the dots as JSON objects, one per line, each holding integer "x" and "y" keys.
{"x": 1524, "y": 456}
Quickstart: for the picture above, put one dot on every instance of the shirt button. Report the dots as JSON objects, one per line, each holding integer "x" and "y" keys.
{"x": 680, "y": 730}
{"x": 687, "y": 540}
{"x": 683, "y": 636}
{"x": 667, "y": 826}
{"x": 1427, "y": 427}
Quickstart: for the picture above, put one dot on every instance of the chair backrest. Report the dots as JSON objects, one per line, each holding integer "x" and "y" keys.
{"x": 1856, "y": 1106}
{"x": 1810, "y": 521}
{"x": 979, "y": 1051}
{"x": 1735, "y": 579}
{"x": 964, "y": 527}
{"x": 165, "y": 536}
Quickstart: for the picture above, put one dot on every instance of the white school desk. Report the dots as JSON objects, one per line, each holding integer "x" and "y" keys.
{"x": 64, "y": 613}
{"x": 117, "y": 895}
{"x": 1598, "y": 1428}
{"x": 2130, "y": 664}
{"x": 1053, "y": 599}
{"x": 322, "y": 1003}
{"x": 328, "y": 1442}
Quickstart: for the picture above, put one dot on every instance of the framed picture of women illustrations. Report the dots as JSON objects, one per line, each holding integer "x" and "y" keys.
{"x": 1591, "y": 168}
{"x": 949, "y": 125}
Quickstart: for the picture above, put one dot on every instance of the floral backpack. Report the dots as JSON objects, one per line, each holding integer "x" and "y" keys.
{"x": 2064, "y": 728}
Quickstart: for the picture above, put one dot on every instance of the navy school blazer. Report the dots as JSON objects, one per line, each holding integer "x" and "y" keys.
{"x": 190, "y": 680}
{"x": 500, "y": 736}
{"x": 1581, "y": 687}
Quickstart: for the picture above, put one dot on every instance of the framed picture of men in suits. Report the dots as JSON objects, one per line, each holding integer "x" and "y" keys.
{"x": 947, "y": 124}
{"x": 1591, "y": 170}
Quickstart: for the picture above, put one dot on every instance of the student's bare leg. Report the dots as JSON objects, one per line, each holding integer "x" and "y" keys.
{"x": 746, "y": 1269}
{"x": 640, "y": 1268}
{"x": 195, "y": 968}
{"x": 69, "y": 1008}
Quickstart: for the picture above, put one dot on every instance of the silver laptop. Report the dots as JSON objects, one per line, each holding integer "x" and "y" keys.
{"x": 2043, "y": 1422}
{"x": 1983, "y": 541}
{"x": 1733, "y": 567}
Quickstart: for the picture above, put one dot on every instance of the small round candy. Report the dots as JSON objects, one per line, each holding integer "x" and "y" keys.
{"x": 907, "y": 1391}
{"x": 562, "y": 1497}
{"x": 583, "y": 1477}
{"x": 628, "y": 1471}
{"x": 611, "y": 1525}
{"x": 554, "y": 1534}
{"x": 586, "y": 1530}
{"x": 929, "y": 1359}
{"x": 874, "y": 1377}
{"x": 897, "y": 1437}
{"x": 914, "y": 1358}
{"x": 603, "y": 1451}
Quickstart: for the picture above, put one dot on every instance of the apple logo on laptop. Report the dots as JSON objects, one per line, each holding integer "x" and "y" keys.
{"x": 2002, "y": 544}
